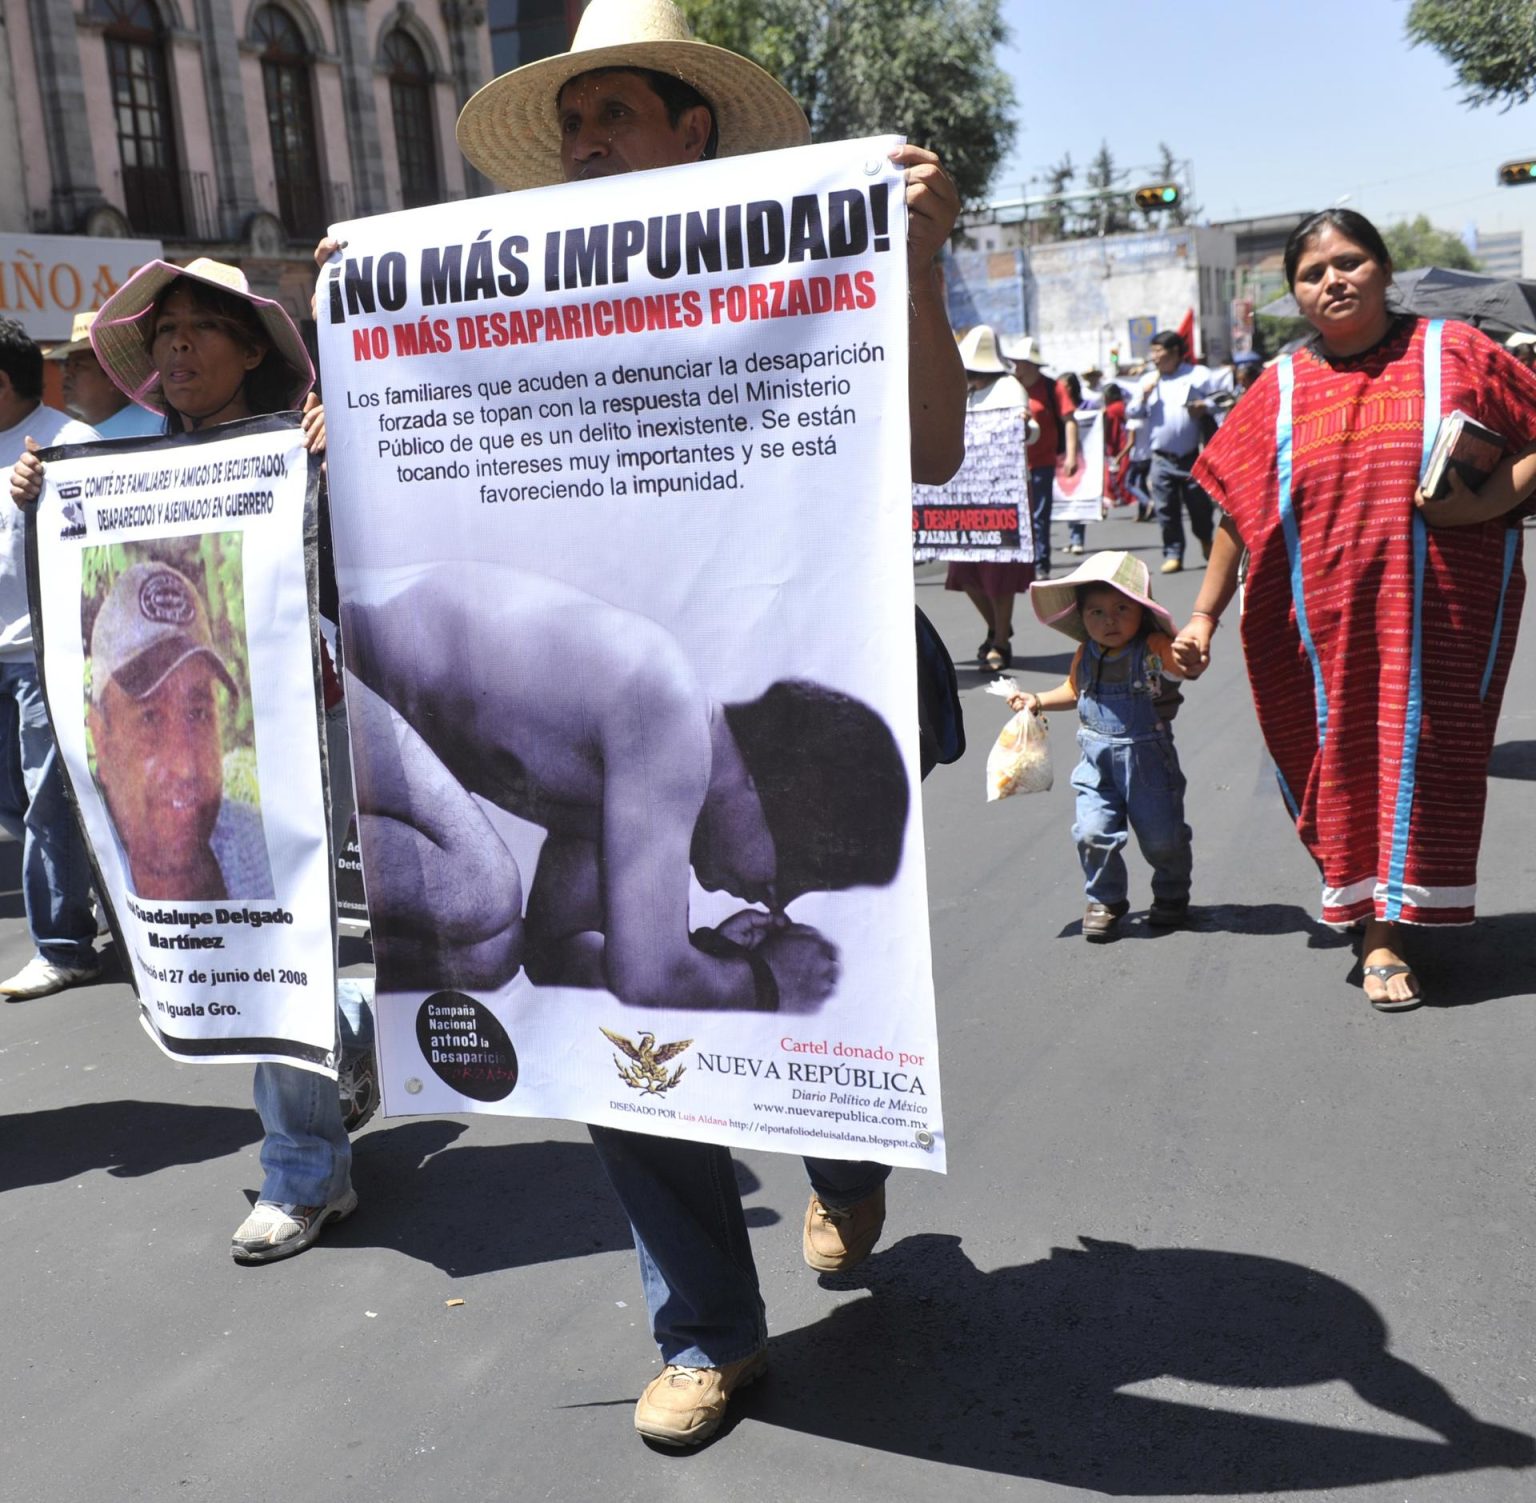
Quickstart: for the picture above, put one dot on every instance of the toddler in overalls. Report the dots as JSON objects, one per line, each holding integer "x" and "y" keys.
{"x": 1122, "y": 682}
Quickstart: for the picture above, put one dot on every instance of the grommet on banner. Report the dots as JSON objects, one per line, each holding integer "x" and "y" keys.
{"x": 874, "y": 166}
{"x": 925, "y": 1139}
{"x": 413, "y": 1086}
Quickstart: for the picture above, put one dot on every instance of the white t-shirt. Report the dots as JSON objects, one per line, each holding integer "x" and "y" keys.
{"x": 48, "y": 426}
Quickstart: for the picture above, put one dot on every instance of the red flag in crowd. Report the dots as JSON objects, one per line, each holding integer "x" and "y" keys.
{"x": 1187, "y": 332}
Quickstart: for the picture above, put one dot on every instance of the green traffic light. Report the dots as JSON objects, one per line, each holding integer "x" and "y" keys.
{"x": 1170, "y": 194}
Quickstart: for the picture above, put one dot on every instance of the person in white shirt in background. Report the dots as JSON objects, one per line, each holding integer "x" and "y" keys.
{"x": 1092, "y": 380}
{"x": 34, "y": 806}
{"x": 1172, "y": 398}
{"x": 90, "y": 395}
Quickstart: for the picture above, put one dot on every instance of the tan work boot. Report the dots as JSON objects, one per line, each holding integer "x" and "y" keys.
{"x": 835, "y": 1240}
{"x": 683, "y": 1406}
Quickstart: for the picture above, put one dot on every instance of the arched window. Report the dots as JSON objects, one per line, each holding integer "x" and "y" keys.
{"x": 141, "y": 104}
{"x": 410, "y": 100}
{"x": 290, "y": 122}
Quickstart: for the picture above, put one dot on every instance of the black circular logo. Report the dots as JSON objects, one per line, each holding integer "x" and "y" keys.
{"x": 466, "y": 1046}
{"x": 165, "y": 598}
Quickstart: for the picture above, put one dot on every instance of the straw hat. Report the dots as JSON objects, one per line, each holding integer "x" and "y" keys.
{"x": 510, "y": 131}
{"x": 1025, "y": 347}
{"x": 978, "y": 352}
{"x": 79, "y": 338}
{"x": 1055, "y": 602}
{"x": 117, "y": 335}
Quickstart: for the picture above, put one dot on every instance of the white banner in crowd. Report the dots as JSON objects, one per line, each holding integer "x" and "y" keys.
{"x": 171, "y": 615}
{"x": 982, "y": 514}
{"x": 620, "y": 478}
{"x": 1080, "y": 497}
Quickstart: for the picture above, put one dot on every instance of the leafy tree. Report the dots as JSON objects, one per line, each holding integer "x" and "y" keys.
{"x": 926, "y": 68}
{"x": 1271, "y": 334}
{"x": 1490, "y": 43}
{"x": 1106, "y": 216}
{"x": 1053, "y": 217}
{"x": 1417, "y": 242}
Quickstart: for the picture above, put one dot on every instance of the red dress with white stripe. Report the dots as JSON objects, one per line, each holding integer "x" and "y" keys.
{"x": 1379, "y": 700}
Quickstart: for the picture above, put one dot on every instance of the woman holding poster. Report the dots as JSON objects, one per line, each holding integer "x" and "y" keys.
{"x": 990, "y": 587}
{"x": 197, "y": 346}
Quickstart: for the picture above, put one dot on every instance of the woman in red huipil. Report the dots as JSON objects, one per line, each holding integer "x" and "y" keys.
{"x": 1378, "y": 626}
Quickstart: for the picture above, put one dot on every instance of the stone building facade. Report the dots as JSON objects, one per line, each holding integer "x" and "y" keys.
{"x": 240, "y": 129}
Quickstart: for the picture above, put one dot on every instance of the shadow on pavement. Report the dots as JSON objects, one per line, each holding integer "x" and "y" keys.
{"x": 126, "y": 1138}
{"x": 1271, "y": 918}
{"x": 1017, "y": 1372}
{"x": 973, "y": 675}
{"x": 1482, "y": 962}
{"x": 1514, "y": 759}
{"x": 476, "y": 1210}
{"x": 1228, "y": 918}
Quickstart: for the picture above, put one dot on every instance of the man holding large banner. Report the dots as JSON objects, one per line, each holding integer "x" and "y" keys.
{"x": 671, "y": 601}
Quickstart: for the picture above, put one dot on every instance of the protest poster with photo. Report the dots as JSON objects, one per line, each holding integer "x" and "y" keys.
{"x": 620, "y": 483}
{"x": 982, "y": 514}
{"x": 1079, "y": 497}
{"x": 171, "y": 615}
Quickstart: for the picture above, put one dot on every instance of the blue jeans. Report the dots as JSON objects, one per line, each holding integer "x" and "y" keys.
{"x": 1172, "y": 493}
{"x": 1135, "y": 783}
{"x": 1042, "y": 484}
{"x": 1136, "y": 472}
{"x": 34, "y": 807}
{"x": 306, "y": 1157}
{"x": 1077, "y": 534}
{"x": 691, "y": 1236}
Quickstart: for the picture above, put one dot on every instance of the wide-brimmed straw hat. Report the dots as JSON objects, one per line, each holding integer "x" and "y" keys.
{"x": 79, "y": 338}
{"x": 510, "y": 129}
{"x": 118, "y": 333}
{"x": 1055, "y": 601}
{"x": 978, "y": 352}
{"x": 1023, "y": 347}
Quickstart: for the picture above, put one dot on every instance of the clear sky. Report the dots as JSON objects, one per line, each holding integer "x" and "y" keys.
{"x": 1279, "y": 104}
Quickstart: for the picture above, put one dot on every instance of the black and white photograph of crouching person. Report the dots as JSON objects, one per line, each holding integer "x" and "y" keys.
{"x": 482, "y": 688}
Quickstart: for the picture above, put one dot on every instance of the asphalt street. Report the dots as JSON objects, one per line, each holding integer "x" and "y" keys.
{"x": 1213, "y": 1227}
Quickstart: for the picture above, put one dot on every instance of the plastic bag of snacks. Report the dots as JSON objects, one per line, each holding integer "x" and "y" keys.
{"x": 1020, "y": 759}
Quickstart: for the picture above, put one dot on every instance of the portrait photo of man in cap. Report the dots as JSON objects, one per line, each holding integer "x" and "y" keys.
{"x": 158, "y": 733}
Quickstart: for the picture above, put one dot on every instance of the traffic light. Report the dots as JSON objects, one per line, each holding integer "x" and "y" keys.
{"x": 1157, "y": 196}
{"x": 1512, "y": 174}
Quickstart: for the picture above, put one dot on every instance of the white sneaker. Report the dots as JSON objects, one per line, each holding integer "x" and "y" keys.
{"x": 279, "y": 1231}
{"x": 42, "y": 978}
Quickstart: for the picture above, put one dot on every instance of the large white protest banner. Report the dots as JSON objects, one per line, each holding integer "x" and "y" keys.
{"x": 982, "y": 513}
{"x": 171, "y": 615}
{"x": 1079, "y": 497}
{"x": 620, "y": 483}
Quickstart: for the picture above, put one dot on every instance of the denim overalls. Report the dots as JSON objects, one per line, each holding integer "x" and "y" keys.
{"x": 1129, "y": 777}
